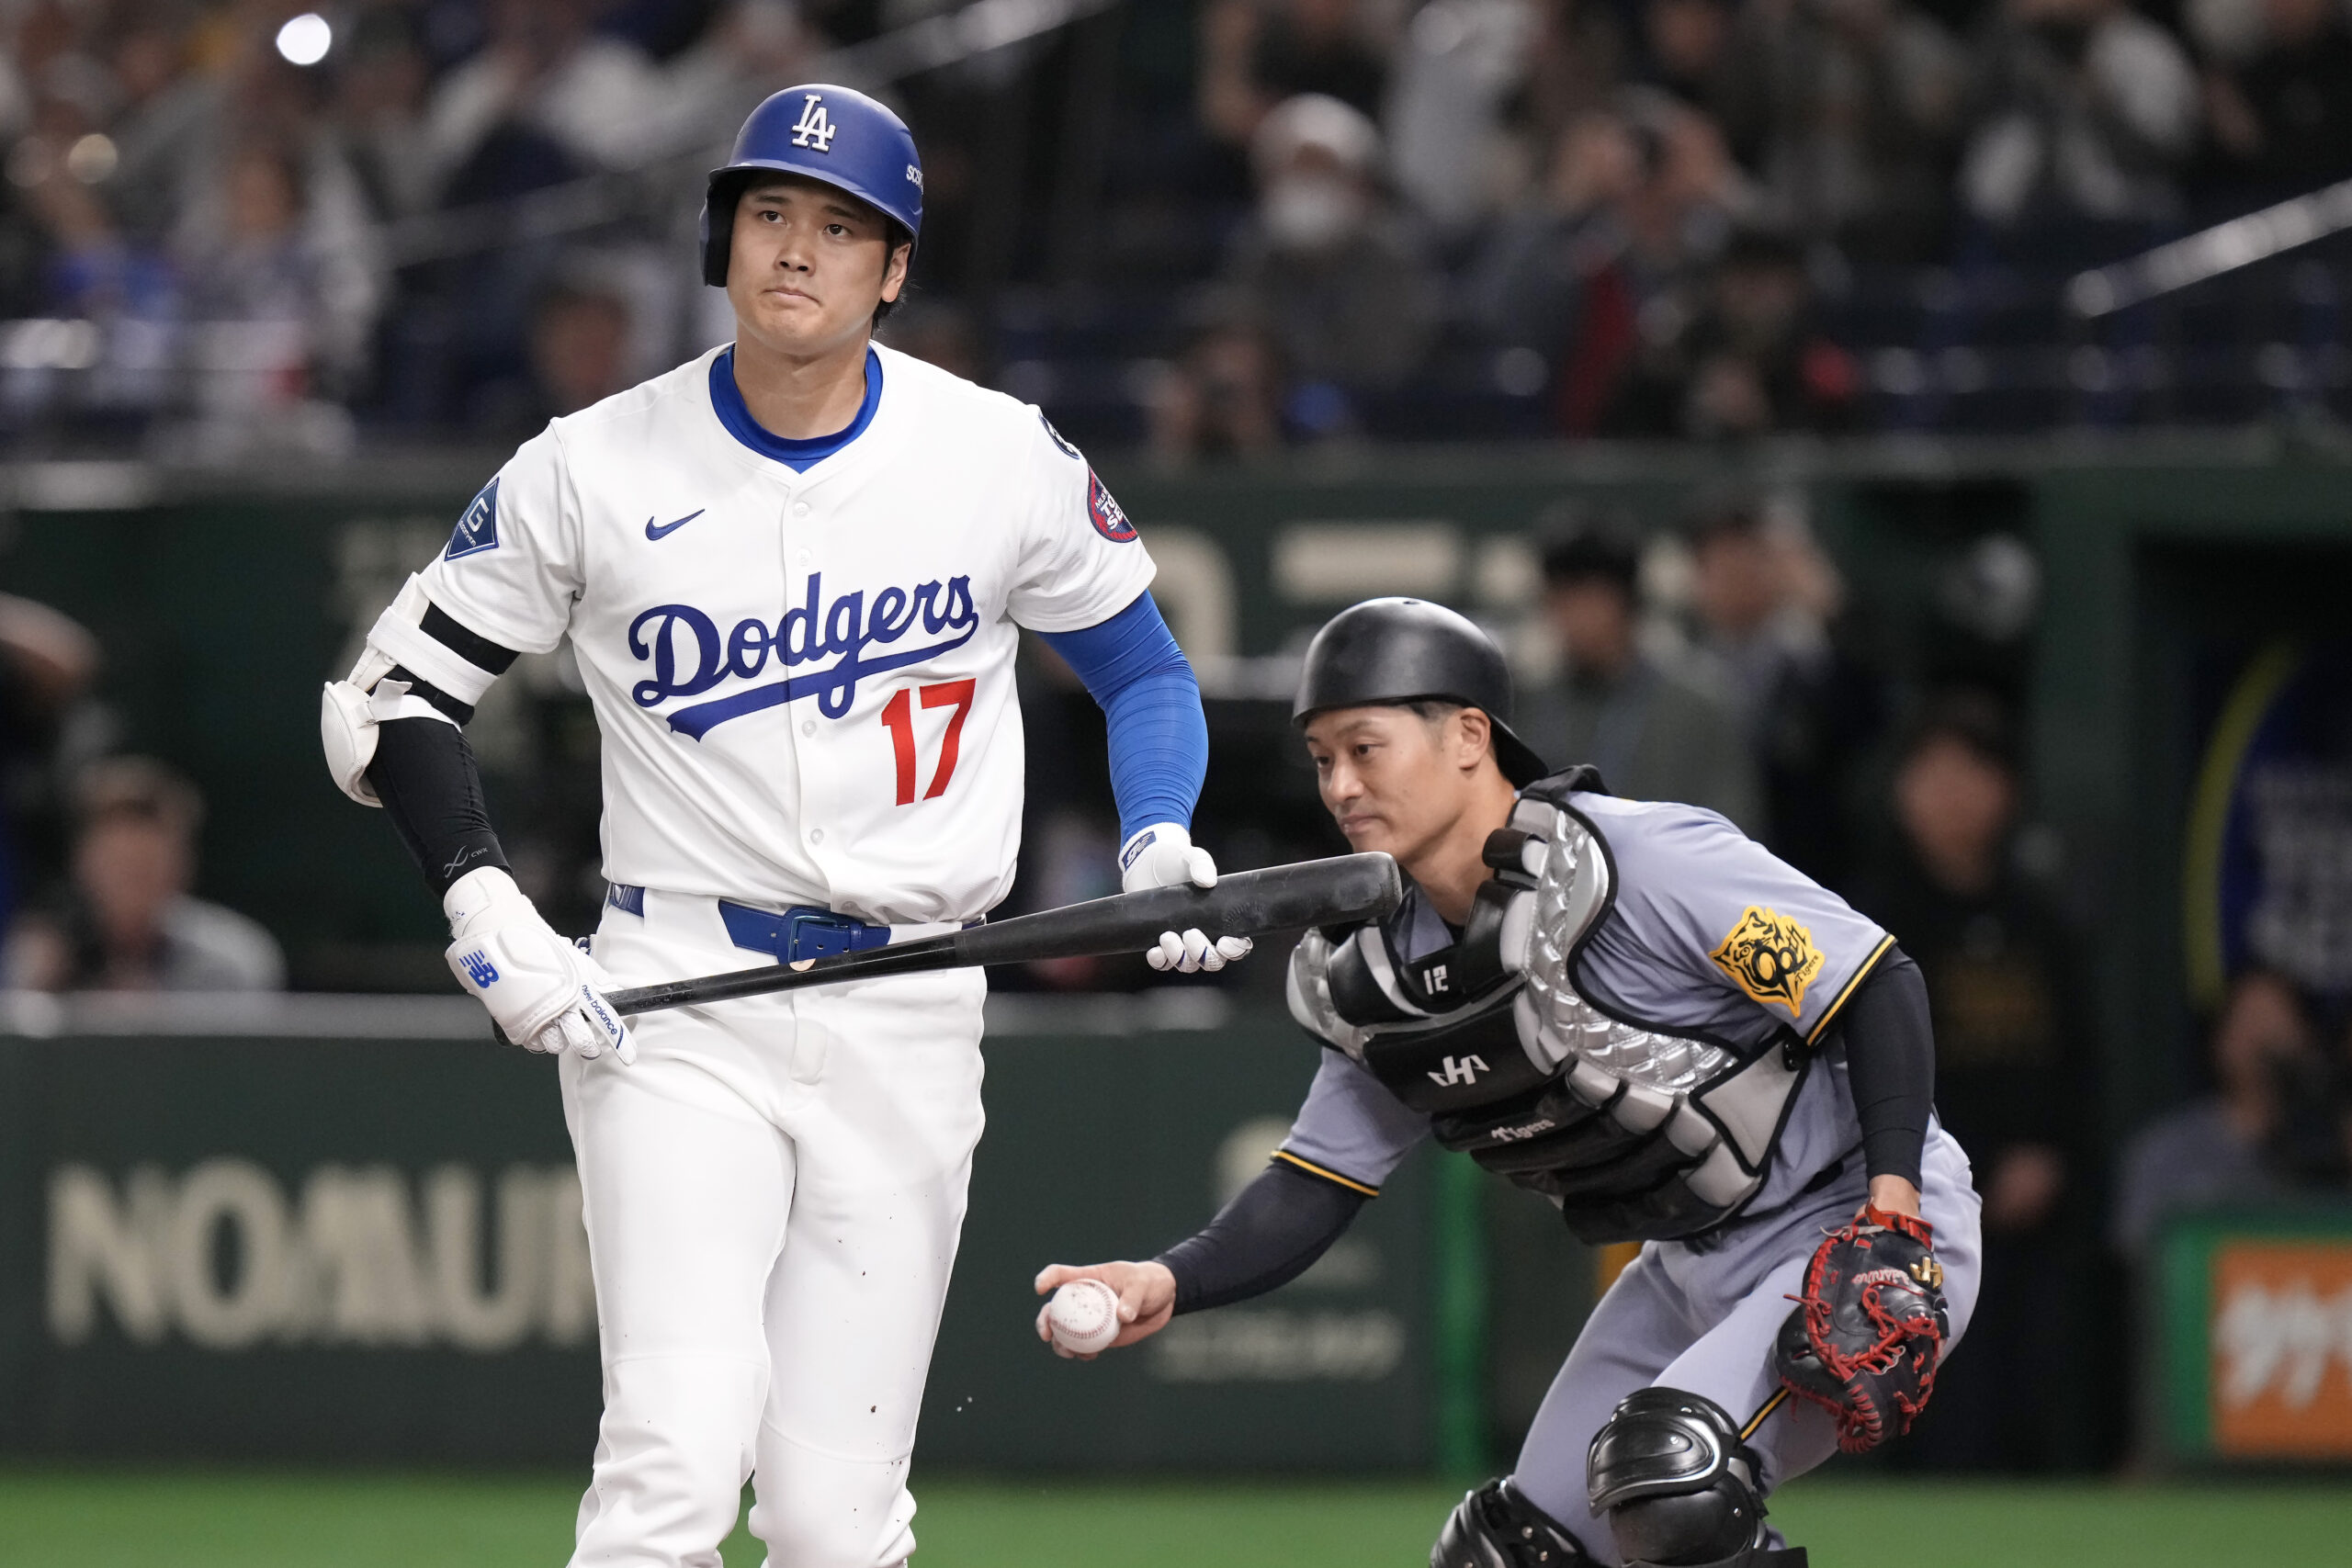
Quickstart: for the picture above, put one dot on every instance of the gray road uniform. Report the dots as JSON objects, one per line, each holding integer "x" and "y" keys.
{"x": 1639, "y": 1022}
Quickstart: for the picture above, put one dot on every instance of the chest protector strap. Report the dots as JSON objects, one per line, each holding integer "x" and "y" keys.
{"x": 1636, "y": 1133}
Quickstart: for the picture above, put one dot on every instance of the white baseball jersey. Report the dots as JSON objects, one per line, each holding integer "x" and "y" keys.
{"x": 804, "y": 678}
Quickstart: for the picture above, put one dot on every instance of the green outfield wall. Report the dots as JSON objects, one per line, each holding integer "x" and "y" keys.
{"x": 349, "y": 1230}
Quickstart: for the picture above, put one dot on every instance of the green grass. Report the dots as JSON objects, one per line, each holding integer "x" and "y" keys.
{"x": 93, "y": 1518}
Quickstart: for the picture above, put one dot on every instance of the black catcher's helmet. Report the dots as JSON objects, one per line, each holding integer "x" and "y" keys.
{"x": 1394, "y": 651}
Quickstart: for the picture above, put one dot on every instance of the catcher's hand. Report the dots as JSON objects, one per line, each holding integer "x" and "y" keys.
{"x": 1866, "y": 1334}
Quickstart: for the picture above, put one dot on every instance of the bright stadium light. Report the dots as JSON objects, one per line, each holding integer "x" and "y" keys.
{"x": 306, "y": 38}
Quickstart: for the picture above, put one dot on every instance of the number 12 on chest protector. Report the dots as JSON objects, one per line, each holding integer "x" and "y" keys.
{"x": 898, "y": 717}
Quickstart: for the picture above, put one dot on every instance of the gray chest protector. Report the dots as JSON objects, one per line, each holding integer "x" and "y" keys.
{"x": 1635, "y": 1132}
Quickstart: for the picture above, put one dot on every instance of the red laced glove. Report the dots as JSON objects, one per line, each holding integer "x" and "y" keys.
{"x": 1865, "y": 1336}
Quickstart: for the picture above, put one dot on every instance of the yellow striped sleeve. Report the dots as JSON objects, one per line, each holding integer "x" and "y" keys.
{"x": 1332, "y": 1176}
{"x": 1851, "y": 987}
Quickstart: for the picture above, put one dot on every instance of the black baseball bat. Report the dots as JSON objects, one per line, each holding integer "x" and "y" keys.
{"x": 1246, "y": 903}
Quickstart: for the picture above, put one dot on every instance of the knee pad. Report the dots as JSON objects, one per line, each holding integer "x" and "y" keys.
{"x": 1678, "y": 1488}
{"x": 1497, "y": 1527}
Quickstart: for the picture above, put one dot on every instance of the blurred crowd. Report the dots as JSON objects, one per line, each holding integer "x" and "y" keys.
{"x": 98, "y": 846}
{"x": 1665, "y": 217}
{"x": 1216, "y": 226}
{"x": 233, "y": 225}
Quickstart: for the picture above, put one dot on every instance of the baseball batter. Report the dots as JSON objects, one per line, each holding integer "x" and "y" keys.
{"x": 1634, "y": 1011}
{"x": 792, "y": 573}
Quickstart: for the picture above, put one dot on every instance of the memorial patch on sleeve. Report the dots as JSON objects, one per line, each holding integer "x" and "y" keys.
{"x": 1109, "y": 520}
{"x": 1769, "y": 957}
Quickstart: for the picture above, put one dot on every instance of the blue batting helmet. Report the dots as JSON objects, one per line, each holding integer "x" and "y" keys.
{"x": 837, "y": 135}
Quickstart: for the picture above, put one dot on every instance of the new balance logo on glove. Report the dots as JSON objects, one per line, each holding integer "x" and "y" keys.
{"x": 603, "y": 1015}
{"x": 479, "y": 969}
{"x": 1136, "y": 847}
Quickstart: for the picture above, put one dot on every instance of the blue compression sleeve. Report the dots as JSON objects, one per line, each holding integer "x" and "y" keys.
{"x": 1160, "y": 742}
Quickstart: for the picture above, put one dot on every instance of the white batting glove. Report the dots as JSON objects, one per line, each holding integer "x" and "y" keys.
{"x": 1163, "y": 855}
{"x": 542, "y": 992}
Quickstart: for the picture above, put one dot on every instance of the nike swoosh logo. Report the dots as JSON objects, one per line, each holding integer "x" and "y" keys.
{"x": 668, "y": 529}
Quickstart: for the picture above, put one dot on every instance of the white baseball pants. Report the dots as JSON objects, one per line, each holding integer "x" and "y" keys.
{"x": 773, "y": 1195}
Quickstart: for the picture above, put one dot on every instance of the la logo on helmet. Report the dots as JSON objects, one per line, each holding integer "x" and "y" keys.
{"x": 815, "y": 128}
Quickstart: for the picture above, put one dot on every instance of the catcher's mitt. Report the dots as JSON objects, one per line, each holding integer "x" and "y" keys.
{"x": 1866, "y": 1334}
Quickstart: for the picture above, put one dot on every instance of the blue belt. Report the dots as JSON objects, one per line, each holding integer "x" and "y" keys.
{"x": 799, "y": 933}
{"x": 791, "y": 935}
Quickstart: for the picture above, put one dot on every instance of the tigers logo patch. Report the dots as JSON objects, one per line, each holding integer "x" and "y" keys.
{"x": 1771, "y": 958}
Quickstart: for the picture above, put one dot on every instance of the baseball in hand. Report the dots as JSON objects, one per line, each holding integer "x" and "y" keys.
{"x": 1084, "y": 1316}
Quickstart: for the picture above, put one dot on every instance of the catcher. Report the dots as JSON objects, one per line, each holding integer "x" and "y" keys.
{"x": 1638, "y": 1014}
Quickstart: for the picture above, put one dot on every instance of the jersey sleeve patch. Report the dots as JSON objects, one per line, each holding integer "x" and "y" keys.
{"x": 1110, "y": 520}
{"x": 1769, "y": 957}
{"x": 1057, "y": 438}
{"x": 478, "y": 530}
